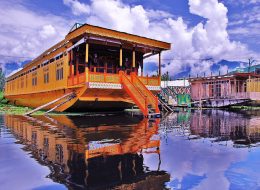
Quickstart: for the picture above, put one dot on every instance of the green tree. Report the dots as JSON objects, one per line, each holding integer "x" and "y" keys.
{"x": 2, "y": 79}
{"x": 165, "y": 77}
{"x": 251, "y": 61}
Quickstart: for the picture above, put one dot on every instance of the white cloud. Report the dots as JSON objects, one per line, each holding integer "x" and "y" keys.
{"x": 223, "y": 69}
{"x": 246, "y": 23}
{"x": 24, "y": 32}
{"x": 77, "y": 7}
{"x": 243, "y": 2}
{"x": 189, "y": 45}
{"x": 47, "y": 31}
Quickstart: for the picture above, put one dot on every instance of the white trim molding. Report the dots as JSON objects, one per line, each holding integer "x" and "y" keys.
{"x": 155, "y": 88}
{"x": 104, "y": 85}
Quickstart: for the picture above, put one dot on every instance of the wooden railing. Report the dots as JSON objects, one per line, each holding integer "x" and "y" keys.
{"x": 103, "y": 77}
{"x": 90, "y": 76}
{"x": 233, "y": 95}
{"x": 77, "y": 79}
{"x": 152, "y": 100}
{"x": 152, "y": 81}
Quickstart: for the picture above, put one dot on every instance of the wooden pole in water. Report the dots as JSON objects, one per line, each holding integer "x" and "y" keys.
{"x": 48, "y": 104}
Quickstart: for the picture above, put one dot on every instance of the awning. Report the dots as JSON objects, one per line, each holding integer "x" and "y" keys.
{"x": 81, "y": 41}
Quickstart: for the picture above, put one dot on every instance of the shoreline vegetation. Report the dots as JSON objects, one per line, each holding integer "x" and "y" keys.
{"x": 6, "y": 108}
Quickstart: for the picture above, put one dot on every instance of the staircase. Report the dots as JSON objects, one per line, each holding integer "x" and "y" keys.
{"x": 142, "y": 97}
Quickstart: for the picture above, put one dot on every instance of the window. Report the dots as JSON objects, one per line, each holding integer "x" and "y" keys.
{"x": 34, "y": 81}
{"x": 26, "y": 77}
{"x": 59, "y": 153}
{"x": 59, "y": 74}
{"x": 22, "y": 82}
{"x": 46, "y": 78}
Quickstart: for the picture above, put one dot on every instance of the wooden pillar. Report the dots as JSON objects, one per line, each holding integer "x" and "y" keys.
{"x": 134, "y": 58}
{"x": 87, "y": 51}
{"x": 235, "y": 82}
{"x": 87, "y": 61}
{"x": 142, "y": 67}
{"x": 229, "y": 88}
{"x": 77, "y": 68}
{"x": 248, "y": 83}
{"x": 121, "y": 57}
{"x": 159, "y": 63}
{"x": 71, "y": 63}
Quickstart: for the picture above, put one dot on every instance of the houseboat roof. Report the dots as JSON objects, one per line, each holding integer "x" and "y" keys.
{"x": 227, "y": 76}
{"x": 79, "y": 31}
{"x": 251, "y": 69}
{"x": 87, "y": 31}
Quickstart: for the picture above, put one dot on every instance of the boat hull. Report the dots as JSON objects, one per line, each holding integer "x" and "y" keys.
{"x": 86, "y": 100}
{"x": 35, "y": 100}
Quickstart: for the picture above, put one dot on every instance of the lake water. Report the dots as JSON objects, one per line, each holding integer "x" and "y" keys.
{"x": 209, "y": 149}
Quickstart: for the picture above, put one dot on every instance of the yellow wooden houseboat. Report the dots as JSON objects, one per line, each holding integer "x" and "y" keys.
{"x": 92, "y": 69}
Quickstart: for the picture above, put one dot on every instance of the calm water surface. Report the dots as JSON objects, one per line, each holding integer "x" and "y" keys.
{"x": 186, "y": 150}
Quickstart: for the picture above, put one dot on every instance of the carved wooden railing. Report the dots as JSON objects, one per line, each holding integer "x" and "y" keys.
{"x": 151, "y": 81}
{"x": 103, "y": 77}
{"x": 77, "y": 79}
{"x": 90, "y": 76}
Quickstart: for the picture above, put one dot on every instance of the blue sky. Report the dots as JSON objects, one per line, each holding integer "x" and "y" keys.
{"x": 197, "y": 29}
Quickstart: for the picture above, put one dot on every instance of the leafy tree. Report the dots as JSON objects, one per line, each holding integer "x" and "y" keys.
{"x": 251, "y": 61}
{"x": 2, "y": 79}
{"x": 165, "y": 77}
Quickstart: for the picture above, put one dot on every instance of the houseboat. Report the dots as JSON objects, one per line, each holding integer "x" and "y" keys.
{"x": 92, "y": 69}
{"x": 225, "y": 90}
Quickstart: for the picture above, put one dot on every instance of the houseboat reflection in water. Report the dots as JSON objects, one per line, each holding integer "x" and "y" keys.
{"x": 242, "y": 129}
{"x": 93, "y": 152}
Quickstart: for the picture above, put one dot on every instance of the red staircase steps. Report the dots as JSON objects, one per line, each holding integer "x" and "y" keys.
{"x": 142, "y": 97}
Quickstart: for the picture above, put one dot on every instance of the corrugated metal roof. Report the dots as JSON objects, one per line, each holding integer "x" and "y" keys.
{"x": 180, "y": 83}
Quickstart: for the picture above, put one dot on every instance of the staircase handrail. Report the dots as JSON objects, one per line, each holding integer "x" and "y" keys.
{"x": 153, "y": 100}
{"x": 166, "y": 91}
{"x": 164, "y": 94}
{"x": 142, "y": 100}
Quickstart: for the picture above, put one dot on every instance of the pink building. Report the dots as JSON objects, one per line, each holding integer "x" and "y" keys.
{"x": 218, "y": 89}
